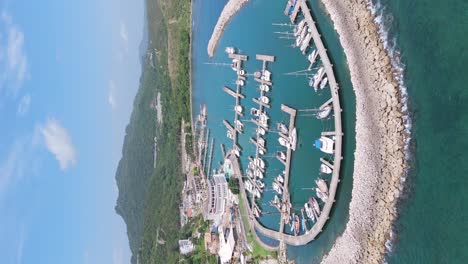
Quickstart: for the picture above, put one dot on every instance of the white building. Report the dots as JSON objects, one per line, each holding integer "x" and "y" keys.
{"x": 186, "y": 246}
{"x": 217, "y": 195}
{"x": 226, "y": 244}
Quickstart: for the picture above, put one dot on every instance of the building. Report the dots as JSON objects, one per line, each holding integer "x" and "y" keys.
{"x": 217, "y": 195}
{"x": 186, "y": 246}
{"x": 212, "y": 243}
{"x": 226, "y": 244}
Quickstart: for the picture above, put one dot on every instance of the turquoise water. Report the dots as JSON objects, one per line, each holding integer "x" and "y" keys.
{"x": 252, "y": 31}
{"x": 433, "y": 39}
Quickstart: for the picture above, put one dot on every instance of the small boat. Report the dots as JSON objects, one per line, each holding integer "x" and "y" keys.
{"x": 282, "y": 128}
{"x": 250, "y": 188}
{"x": 249, "y": 173}
{"x": 261, "y": 152}
{"x": 260, "y": 184}
{"x": 257, "y": 74}
{"x": 318, "y": 77}
{"x": 266, "y": 75}
{"x": 258, "y": 173}
{"x": 260, "y": 131}
{"x": 296, "y": 224}
{"x": 230, "y": 135}
{"x": 261, "y": 141}
{"x": 238, "y": 109}
{"x": 280, "y": 179}
{"x": 277, "y": 188}
{"x": 276, "y": 200}
{"x": 305, "y": 42}
{"x": 235, "y": 64}
{"x": 239, "y": 125}
{"x": 325, "y": 169}
{"x": 236, "y": 152}
{"x": 256, "y": 212}
{"x": 322, "y": 196}
{"x": 323, "y": 83}
{"x": 264, "y": 99}
{"x": 325, "y": 144}
{"x": 260, "y": 190}
{"x": 312, "y": 56}
{"x": 309, "y": 212}
{"x": 322, "y": 185}
{"x": 281, "y": 155}
{"x": 255, "y": 112}
{"x": 293, "y": 139}
{"x": 264, "y": 116}
{"x": 230, "y": 50}
{"x": 240, "y": 82}
{"x": 314, "y": 204}
{"x": 259, "y": 163}
{"x": 284, "y": 142}
{"x": 299, "y": 27}
{"x": 264, "y": 88}
{"x": 292, "y": 226}
{"x": 324, "y": 113}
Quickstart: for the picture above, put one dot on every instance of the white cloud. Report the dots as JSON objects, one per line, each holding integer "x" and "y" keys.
{"x": 59, "y": 143}
{"x": 24, "y": 104}
{"x": 13, "y": 167}
{"x": 13, "y": 59}
{"x": 111, "y": 95}
{"x": 124, "y": 35}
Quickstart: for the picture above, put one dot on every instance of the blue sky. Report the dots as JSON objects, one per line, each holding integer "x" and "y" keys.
{"x": 69, "y": 72}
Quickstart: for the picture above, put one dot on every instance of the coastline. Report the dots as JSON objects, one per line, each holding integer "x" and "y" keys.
{"x": 380, "y": 135}
{"x": 229, "y": 11}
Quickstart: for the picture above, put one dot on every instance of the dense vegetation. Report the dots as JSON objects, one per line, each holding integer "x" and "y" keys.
{"x": 148, "y": 198}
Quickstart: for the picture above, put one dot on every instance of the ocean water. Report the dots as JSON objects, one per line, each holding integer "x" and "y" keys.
{"x": 252, "y": 31}
{"x": 431, "y": 39}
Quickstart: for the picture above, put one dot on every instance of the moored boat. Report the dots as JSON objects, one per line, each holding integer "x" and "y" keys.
{"x": 314, "y": 204}
{"x": 296, "y": 224}
{"x": 255, "y": 112}
{"x": 240, "y": 82}
{"x": 321, "y": 195}
{"x": 309, "y": 211}
{"x": 280, "y": 179}
{"x": 238, "y": 109}
{"x": 325, "y": 144}
{"x": 281, "y": 155}
{"x": 258, "y": 173}
{"x": 322, "y": 185}
{"x": 230, "y": 50}
{"x": 324, "y": 113}
{"x": 293, "y": 139}
{"x": 260, "y": 131}
{"x": 312, "y": 56}
{"x": 323, "y": 83}
{"x": 264, "y": 87}
{"x": 325, "y": 169}
{"x": 282, "y": 128}
{"x": 277, "y": 188}
{"x": 264, "y": 99}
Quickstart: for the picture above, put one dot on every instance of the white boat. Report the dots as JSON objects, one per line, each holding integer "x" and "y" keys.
{"x": 259, "y": 163}
{"x": 266, "y": 75}
{"x": 240, "y": 72}
{"x": 258, "y": 173}
{"x": 280, "y": 179}
{"x": 293, "y": 139}
{"x": 239, "y": 125}
{"x": 309, "y": 211}
{"x": 264, "y": 116}
{"x": 305, "y": 42}
{"x": 261, "y": 141}
{"x": 325, "y": 144}
{"x": 235, "y": 64}
{"x": 325, "y": 169}
{"x": 264, "y": 88}
{"x": 318, "y": 77}
{"x": 321, "y": 195}
{"x": 276, "y": 200}
{"x": 312, "y": 56}
{"x": 255, "y": 112}
{"x": 324, "y": 113}
{"x": 230, "y": 135}
{"x": 282, "y": 128}
{"x": 261, "y": 152}
{"x": 284, "y": 142}
{"x": 322, "y": 185}
{"x": 277, "y": 188}
{"x": 260, "y": 131}
{"x": 256, "y": 212}
{"x": 323, "y": 83}
{"x": 299, "y": 27}
{"x": 236, "y": 152}
{"x": 257, "y": 74}
{"x": 249, "y": 173}
{"x": 260, "y": 184}
{"x": 230, "y": 50}
{"x": 304, "y": 32}
{"x": 314, "y": 204}
{"x": 264, "y": 99}
{"x": 240, "y": 82}
{"x": 263, "y": 123}
{"x": 281, "y": 155}
{"x": 238, "y": 109}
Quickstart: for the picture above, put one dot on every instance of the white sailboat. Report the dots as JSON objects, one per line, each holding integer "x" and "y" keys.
{"x": 322, "y": 185}
{"x": 264, "y": 88}
{"x": 321, "y": 195}
{"x": 324, "y": 113}
{"x": 264, "y": 99}
{"x": 238, "y": 109}
{"x": 325, "y": 169}
{"x": 323, "y": 83}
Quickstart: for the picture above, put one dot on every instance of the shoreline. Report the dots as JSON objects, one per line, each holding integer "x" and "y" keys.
{"x": 229, "y": 11}
{"x": 380, "y": 135}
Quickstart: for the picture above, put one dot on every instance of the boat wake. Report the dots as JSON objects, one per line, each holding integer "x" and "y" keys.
{"x": 384, "y": 20}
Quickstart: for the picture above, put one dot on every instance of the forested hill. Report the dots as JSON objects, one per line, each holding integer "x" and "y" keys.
{"x": 148, "y": 198}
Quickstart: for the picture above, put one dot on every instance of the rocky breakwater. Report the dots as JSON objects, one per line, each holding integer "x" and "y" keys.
{"x": 229, "y": 11}
{"x": 379, "y": 155}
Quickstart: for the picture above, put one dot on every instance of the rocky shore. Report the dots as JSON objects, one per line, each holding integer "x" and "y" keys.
{"x": 379, "y": 156}
{"x": 229, "y": 11}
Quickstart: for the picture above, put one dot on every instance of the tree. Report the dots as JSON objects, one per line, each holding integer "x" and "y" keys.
{"x": 234, "y": 185}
